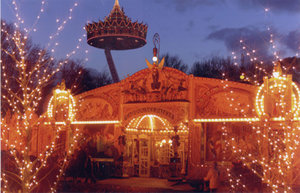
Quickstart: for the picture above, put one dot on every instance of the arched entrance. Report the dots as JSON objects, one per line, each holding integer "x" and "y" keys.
{"x": 153, "y": 146}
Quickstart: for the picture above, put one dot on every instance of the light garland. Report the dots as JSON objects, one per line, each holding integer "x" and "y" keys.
{"x": 62, "y": 95}
{"x": 31, "y": 78}
{"x": 226, "y": 120}
{"x": 95, "y": 122}
{"x": 274, "y": 172}
{"x": 84, "y": 122}
{"x": 280, "y": 84}
{"x": 286, "y": 122}
{"x": 134, "y": 126}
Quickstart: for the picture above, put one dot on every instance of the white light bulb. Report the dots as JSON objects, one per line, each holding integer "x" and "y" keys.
{"x": 276, "y": 74}
{"x": 154, "y": 58}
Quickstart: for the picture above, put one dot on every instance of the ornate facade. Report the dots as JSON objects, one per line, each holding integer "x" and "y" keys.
{"x": 153, "y": 107}
{"x": 161, "y": 122}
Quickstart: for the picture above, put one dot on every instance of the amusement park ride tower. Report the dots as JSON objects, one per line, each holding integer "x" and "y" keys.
{"x": 116, "y": 32}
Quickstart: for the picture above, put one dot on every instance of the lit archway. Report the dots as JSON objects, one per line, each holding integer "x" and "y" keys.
{"x": 151, "y": 142}
{"x": 149, "y": 124}
{"x": 62, "y": 98}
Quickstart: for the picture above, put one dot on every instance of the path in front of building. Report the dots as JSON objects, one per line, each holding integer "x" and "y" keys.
{"x": 133, "y": 184}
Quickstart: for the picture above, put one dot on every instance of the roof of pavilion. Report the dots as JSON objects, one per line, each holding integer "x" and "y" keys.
{"x": 173, "y": 72}
{"x": 207, "y": 95}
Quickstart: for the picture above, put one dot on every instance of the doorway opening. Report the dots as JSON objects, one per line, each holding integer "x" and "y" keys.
{"x": 155, "y": 148}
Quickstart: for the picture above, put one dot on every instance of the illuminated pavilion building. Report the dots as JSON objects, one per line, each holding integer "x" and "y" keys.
{"x": 161, "y": 122}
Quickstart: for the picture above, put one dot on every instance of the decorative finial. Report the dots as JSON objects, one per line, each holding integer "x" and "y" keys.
{"x": 156, "y": 63}
{"x": 156, "y": 42}
{"x": 277, "y": 70}
{"x": 116, "y": 3}
{"x": 63, "y": 85}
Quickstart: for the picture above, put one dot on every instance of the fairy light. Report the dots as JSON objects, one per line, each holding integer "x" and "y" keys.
{"x": 60, "y": 96}
{"x": 168, "y": 130}
{"x": 285, "y": 130}
{"x": 95, "y": 122}
{"x": 226, "y": 120}
{"x": 134, "y": 126}
{"x": 25, "y": 103}
{"x": 66, "y": 160}
{"x": 289, "y": 116}
{"x": 278, "y": 84}
{"x": 283, "y": 160}
{"x": 136, "y": 122}
{"x": 251, "y": 54}
{"x": 37, "y": 18}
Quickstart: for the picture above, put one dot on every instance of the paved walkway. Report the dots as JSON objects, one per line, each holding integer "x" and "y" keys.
{"x": 133, "y": 184}
{"x": 149, "y": 183}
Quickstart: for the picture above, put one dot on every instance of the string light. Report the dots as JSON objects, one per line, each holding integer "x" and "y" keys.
{"x": 86, "y": 122}
{"x": 283, "y": 159}
{"x": 227, "y": 120}
{"x": 286, "y": 122}
{"x": 32, "y": 78}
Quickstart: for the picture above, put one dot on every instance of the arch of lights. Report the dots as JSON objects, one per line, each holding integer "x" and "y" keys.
{"x": 135, "y": 125}
{"x": 62, "y": 95}
{"x": 278, "y": 85}
{"x": 65, "y": 95}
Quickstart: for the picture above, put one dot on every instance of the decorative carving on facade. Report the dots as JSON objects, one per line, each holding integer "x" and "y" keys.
{"x": 217, "y": 102}
{"x": 103, "y": 105}
{"x": 156, "y": 85}
{"x": 96, "y": 109}
{"x": 112, "y": 96}
{"x": 153, "y": 110}
{"x": 216, "y": 143}
{"x": 175, "y": 113}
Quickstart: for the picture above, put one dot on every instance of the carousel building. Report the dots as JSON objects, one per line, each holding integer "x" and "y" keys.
{"x": 161, "y": 122}
{"x": 156, "y": 116}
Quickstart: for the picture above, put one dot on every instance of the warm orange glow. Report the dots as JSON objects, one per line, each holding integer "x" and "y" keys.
{"x": 278, "y": 84}
{"x": 62, "y": 95}
{"x": 227, "y": 120}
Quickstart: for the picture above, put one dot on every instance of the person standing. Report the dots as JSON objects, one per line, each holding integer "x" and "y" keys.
{"x": 88, "y": 168}
{"x": 213, "y": 177}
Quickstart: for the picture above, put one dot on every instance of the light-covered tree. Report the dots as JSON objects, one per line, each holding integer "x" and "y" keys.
{"x": 267, "y": 152}
{"x": 26, "y": 72}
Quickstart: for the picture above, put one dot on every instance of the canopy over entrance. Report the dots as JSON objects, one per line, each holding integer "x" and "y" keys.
{"x": 153, "y": 124}
{"x": 152, "y": 142}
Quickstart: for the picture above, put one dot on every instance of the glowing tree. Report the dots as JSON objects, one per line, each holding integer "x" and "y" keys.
{"x": 27, "y": 71}
{"x": 275, "y": 137}
{"x": 268, "y": 156}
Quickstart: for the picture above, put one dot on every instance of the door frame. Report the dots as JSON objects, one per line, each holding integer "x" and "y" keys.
{"x": 148, "y": 142}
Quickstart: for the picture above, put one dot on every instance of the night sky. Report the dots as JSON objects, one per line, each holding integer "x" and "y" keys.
{"x": 192, "y": 29}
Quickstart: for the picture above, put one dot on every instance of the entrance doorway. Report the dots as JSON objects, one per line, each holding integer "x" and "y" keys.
{"x": 152, "y": 145}
{"x": 144, "y": 158}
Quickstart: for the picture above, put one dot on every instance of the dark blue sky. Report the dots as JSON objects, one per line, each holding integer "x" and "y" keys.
{"x": 191, "y": 29}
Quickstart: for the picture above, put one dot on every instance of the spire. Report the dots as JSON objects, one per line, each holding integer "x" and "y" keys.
{"x": 277, "y": 67}
{"x": 116, "y": 9}
{"x": 277, "y": 71}
{"x": 116, "y": 3}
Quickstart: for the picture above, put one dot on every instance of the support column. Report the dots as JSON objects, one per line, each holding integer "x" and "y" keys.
{"x": 111, "y": 66}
